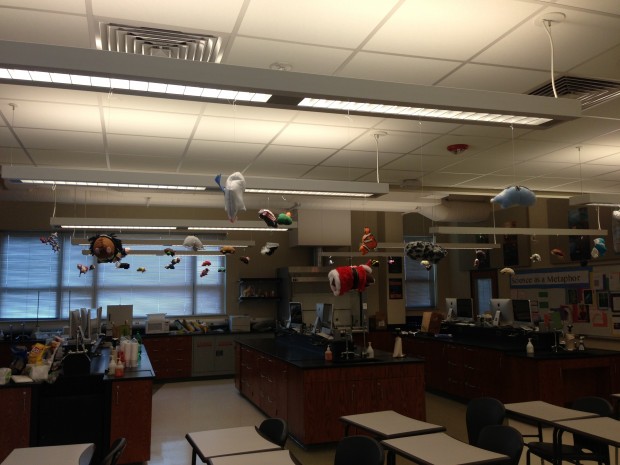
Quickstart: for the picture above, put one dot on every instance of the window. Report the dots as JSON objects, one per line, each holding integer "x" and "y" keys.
{"x": 40, "y": 283}
{"x": 419, "y": 282}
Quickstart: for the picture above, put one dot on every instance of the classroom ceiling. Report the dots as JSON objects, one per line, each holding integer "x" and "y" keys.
{"x": 494, "y": 45}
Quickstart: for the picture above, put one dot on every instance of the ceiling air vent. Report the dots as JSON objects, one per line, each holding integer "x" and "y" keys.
{"x": 159, "y": 42}
{"x": 589, "y": 92}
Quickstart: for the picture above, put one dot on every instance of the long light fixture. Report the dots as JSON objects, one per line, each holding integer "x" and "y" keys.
{"x": 128, "y": 224}
{"x": 168, "y": 242}
{"x": 516, "y": 231}
{"x": 96, "y": 70}
{"x": 23, "y": 175}
{"x": 445, "y": 245}
{"x": 595, "y": 200}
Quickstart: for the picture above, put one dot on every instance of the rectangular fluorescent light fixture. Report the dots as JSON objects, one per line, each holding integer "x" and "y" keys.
{"x": 517, "y": 231}
{"x": 595, "y": 200}
{"x": 178, "y": 182}
{"x": 126, "y": 224}
{"x": 168, "y": 242}
{"x": 95, "y": 70}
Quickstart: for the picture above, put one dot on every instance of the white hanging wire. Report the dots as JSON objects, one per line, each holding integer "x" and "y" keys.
{"x": 514, "y": 163}
{"x": 494, "y": 234}
{"x": 547, "y": 25}
{"x": 377, "y": 135}
{"x": 13, "y": 106}
{"x": 580, "y": 174}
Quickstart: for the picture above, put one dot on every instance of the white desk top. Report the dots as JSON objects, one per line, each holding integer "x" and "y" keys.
{"x": 228, "y": 441}
{"x": 602, "y": 428}
{"x": 545, "y": 412}
{"x": 441, "y": 449}
{"x": 274, "y": 457}
{"x": 70, "y": 454}
{"x": 390, "y": 424}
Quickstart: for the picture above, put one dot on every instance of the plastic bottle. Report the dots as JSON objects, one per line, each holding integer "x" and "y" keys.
{"x": 112, "y": 366}
{"x": 529, "y": 348}
{"x": 328, "y": 354}
{"x": 370, "y": 352}
{"x": 581, "y": 343}
{"x": 120, "y": 369}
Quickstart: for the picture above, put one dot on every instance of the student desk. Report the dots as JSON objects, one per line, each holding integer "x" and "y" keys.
{"x": 441, "y": 449}
{"x": 228, "y": 441}
{"x": 274, "y": 457}
{"x": 544, "y": 413}
{"x": 70, "y": 454}
{"x": 389, "y": 424}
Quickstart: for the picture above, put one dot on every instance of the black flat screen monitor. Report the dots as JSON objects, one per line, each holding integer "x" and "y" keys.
{"x": 461, "y": 309}
{"x": 521, "y": 311}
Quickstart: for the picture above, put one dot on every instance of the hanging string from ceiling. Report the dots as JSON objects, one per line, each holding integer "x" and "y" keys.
{"x": 547, "y": 25}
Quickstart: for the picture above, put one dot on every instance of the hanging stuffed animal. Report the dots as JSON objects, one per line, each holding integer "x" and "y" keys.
{"x": 107, "y": 248}
{"x": 508, "y": 271}
{"x": 190, "y": 242}
{"x": 285, "y": 218}
{"x": 226, "y": 249}
{"x": 515, "y": 195}
{"x": 369, "y": 243}
{"x": 51, "y": 240}
{"x": 424, "y": 250}
{"x": 268, "y": 217}
{"x": 535, "y": 258}
{"x": 599, "y": 248}
{"x": 269, "y": 248}
{"x": 480, "y": 257}
{"x": 346, "y": 278}
{"x": 233, "y": 194}
{"x": 173, "y": 262}
{"x": 84, "y": 269}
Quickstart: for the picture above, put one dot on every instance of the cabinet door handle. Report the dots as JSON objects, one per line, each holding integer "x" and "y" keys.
{"x": 117, "y": 395}
{"x": 25, "y": 396}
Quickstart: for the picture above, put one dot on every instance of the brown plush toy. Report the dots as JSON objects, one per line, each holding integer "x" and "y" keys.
{"x": 107, "y": 248}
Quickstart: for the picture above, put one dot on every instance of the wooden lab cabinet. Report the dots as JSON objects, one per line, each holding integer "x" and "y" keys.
{"x": 15, "y": 405}
{"x": 171, "y": 356}
{"x": 130, "y": 417}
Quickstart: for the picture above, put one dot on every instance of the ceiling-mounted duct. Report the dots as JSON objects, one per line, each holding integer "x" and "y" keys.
{"x": 159, "y": 42}
{"x": 457, "y": 212}
{"x": 589, "y": 92}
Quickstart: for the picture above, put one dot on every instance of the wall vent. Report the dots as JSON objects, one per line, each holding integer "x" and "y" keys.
{"x": 159, "y": 42}
{"x": 589, "y": 92}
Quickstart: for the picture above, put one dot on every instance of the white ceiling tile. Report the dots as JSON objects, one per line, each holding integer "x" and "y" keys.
{"x": 260, "y": 53}
{"x": 274, "y": 154}
{"x": 336, "y": 119}
{"x": 587, "y": 153}
{"x": 476, "y": 165}
{"x": 335, "y": 173}
{"x": 494, "y": 78}
{"x": 237, "y": 130}
{"x": 312, "y": 135}
{"x": 393, "y": 141}
{"x": 395, "y": 68}
{"x": 119, "y": 144}
{"x": 284, "y": 170}
{"x": 360, "y": 159}
{"x": 148, "y": 123}
{"x": 439, "y": 145}
{"x": 40, "y": 115}
{"x": 240, "y": 153}
{"x": 538, "y": 168}
{"x": 452, "y": 179}
{"x": 391, "y": 176}
{"x": 209, "y": 166}
{"x": 437, "y": 29}
{"x": 411, "y": 125}
{"x": 604, "y": 66}
{"x": 32, "y": 26}
{"x": 608, "y": 160}
{"x": 141, "y": 163}
{"x": 325, "y": 22}
{"x": 424, "y": 163}
{"x": 65, "y": 6}
{"x": 581, "y": 36}
{"x": 61, "y": 140}
{"x": 184, "y": 15}
{"x": 77, "y": 159}
{"x": 612, "y": 139}
{"x": 247, "y": 112}
{"x": 586, "y": 171}
{"x": 609, "y": 6}
{"x": 11, "y": 155}
{"x": 582, "y": 130}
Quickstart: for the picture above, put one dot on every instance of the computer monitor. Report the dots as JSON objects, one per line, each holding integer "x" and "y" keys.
{"x": 325, "y": 312}
{"x": 461, "y": 309}
{"x": 521, "y": 311}
{"x": 504, "y": 307}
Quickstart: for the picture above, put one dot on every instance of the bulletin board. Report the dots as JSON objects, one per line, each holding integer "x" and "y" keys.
{"x": 588, "y": 297}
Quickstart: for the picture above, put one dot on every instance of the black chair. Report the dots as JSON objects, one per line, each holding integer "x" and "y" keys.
{"x": 359, "y": 450}
{"x": 274, "y": 430}
{"x": 115, "y": 452}
{"x": 481, "y": 412}
{"x": 502, "y": 439}
{"x": 583, "y": 448}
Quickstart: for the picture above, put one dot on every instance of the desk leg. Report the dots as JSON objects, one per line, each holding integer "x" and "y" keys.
{"x": 194, "y": 456}
{"x": 346, "y": 429}
{"x": 391, "y": 457}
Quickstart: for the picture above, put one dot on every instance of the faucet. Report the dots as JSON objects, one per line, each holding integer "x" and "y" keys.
{"x": 348, "y": 353}
{"x": 557, "y": 345}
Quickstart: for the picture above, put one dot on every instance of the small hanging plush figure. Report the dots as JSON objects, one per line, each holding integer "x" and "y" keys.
{"x": 599, "y": 248}
{"x": 535, "y": 258}
{"x": 480, "y": 256}
{"x": 204, "y": 272}
{"x": 83, "y": 269}
{"x": 268, "y": 217}
{"x": 170, "y": 252}
{"x": 191, "y": 242}
{"x": 173, "y": 262}
{"x": 269, "y": 248}
{"x": 206, "y": 263}
{"x": 107, "y": 248}
{"x": 557, "y": 252}
{"x": 233, "y": 194}
{"x": 141, "y": 269}
{"x": 227, "y": 249}
{"x": 369, "y": 243}
{"x": 285, "y": 218}
{"x": 52, "y": 240}
{"x": 122, "y": 266}
{"x": 245, "y": 260}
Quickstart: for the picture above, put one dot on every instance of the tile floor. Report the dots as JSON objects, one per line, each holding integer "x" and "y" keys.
{"x": 179, "y": 408}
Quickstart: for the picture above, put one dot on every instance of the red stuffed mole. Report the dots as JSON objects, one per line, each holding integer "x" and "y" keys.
{"x": 369, "y": 242}
{"x": 107, "y": 248}
{"x": 346, "y": 278}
